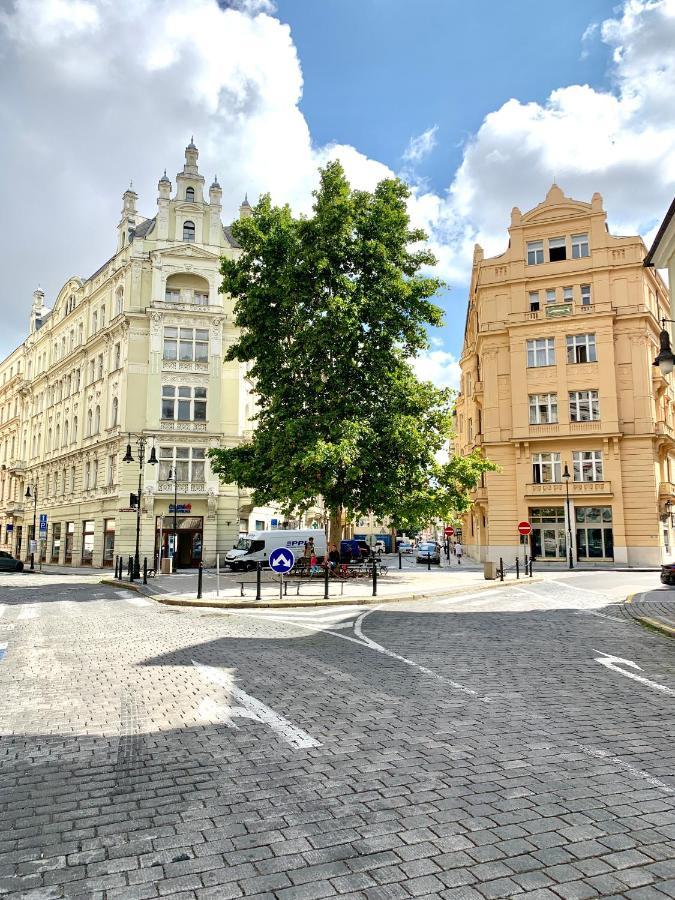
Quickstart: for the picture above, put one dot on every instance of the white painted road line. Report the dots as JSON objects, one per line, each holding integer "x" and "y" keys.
{"x": 250, "y": 708}
{"x": 2, "y": 609}
{"x": 610, "y": 662}
{"x": 590, "y": 612}
{"x": 458, "y": 598}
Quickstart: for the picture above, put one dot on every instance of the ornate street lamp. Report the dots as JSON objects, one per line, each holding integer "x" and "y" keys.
{"x": 665, "y": 359}
{"x": 34, "y": 495}
{"x": 141, "y": 441}
{"x": 566, "y": 478}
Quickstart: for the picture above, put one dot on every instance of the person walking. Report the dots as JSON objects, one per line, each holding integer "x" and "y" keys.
{"x": 458, "y": 553}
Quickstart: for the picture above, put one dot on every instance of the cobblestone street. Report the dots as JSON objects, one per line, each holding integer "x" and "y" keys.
{"x": 480, "y": 746}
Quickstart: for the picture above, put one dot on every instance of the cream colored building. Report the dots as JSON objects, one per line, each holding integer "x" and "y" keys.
{"x": 561, "y": 333}
{"x": 137, "y": 348}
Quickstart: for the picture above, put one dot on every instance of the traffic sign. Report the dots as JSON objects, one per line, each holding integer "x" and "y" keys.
{"x": 448, "y": 531}
{"x": 524, "y": 528}
{"x": 43, "y": 525}
{"x": 282, "y": 560}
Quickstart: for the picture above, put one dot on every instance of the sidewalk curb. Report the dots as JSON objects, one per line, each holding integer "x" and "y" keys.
{"x": 168, "y": 600}
{"x": 129, "y": 585}
{"x": 646, "y": 622}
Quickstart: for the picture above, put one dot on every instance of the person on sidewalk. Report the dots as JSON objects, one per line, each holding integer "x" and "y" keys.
{"x": 458, "y": 553}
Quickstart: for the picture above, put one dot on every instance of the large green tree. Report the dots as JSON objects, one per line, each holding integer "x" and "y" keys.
{"x": 332, "y": 308}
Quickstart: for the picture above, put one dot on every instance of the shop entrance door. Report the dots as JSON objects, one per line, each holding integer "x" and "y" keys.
{"x": 190, "y": 531}
{"x": 548, "y": 533}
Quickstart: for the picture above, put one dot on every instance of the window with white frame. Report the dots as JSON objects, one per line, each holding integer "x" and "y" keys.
{"x": 201, "y": 298}
{"x": 541, "y": 352}
{"x": 172, "y": 295}
{"x": 87, "y": 475}
{"x": 543, "y": 409}
{"x": 546, "y": 468}
{"x": 557, "y": 249}
{"x": 550, "y": 295}
{"x": 534, "y": 301}
{"x": 568, "y": 295}
{"x": 580, "y": 246}
{"x": 100, "y": 366}
{"x": 535, "y": 253}
{"x": 114, "y": 412}
{"x": 588, "y": 465}
{"x": 119, "y": 301}
{"x": 186, "y": 344}
{"x": 184, "y": 404}
{"x": 182, "y": 463}
{"x": 584, "y": 406}
{"x": 188, "y": 231}
{"x": 581, "y": 348}
{"x": 117, "y": 356}
{"x": 585, "y": 295}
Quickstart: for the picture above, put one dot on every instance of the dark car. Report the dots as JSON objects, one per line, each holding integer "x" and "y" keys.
{"x": 8, "y": 563}
{"x": 668, "y": 573}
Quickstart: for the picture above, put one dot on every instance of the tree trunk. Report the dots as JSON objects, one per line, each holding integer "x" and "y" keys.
{"x": 337, "y": 526}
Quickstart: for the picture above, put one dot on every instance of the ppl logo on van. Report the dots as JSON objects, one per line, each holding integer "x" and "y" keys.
{"x": 295, "y": 543}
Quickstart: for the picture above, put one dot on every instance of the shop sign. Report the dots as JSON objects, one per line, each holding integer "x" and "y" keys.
{"x": 180, "y": 507}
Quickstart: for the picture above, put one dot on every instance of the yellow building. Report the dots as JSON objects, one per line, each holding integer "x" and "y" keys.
{"x": 136, "y": 348}
{"x": 558, "y": 378}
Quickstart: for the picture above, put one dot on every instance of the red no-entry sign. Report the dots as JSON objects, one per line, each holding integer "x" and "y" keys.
{"x": 448, "y": 531}
{"x": 524, "y": 528}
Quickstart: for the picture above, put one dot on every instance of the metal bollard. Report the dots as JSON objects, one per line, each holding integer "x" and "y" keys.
{"x": 374, "y": 579}
{"x": 325, "y": 580}
{"x": 130, "y": 570}
{"x": 517, "y": 569}
{"x": 429, "y": 562}
{"x": 400, "y": 560}
{"x": 241, "y": 588}
{"x": 501, "y": 569}
{"x": 145, "y": 570}
{"x": 286, "y": 587}
{"x": 258, "y": 580}
{"x": 32, "y": 562}
{"x": 530, "y": 567}
{"x": 200, "y": 574}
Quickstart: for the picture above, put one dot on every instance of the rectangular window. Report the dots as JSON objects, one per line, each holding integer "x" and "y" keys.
{"x": 581, "y": 348}
{"x": 534, "y": 301}
{"x": 546, "y": 468}
{"x": 585, "y": 295}
{"x": 584, "y": 406}
{"x": 201, "y": 298}
{"x": 580, "y": 246}
{"x": 170, "y": 343}
{"x": 112, "y": 465}
{"x": 172, "y": 296}
{"x": 541, "y": 352}
{"x": 557, "y": 249}
{"x": 568, "y": 295}
{"x": 186, "y": 344}
{"x": 117, "y": 356}
{"x": 588, "y": 465}
{"x": 187, "y": 463}
{"x": 543, "y": 409}
{"x": 100, "y": 365}
{"x": 184, "y": 404}
{"x": 550, "y": 295}
{"x": 535, "y": 253}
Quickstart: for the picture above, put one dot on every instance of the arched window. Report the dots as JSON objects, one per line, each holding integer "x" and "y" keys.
{"x": 115, "y": 409}
{"x": 119, "y": 301}
{"x": 57, "y": 440}
{"x": 74, "y": 429}
{"x": 65, "y": 432}
{"x": 188, "y": 231}
{"x": 94, "y": 323}
{"x": 89, "y": 422}
{"x": 190, "y": 194}
{"x": 97, "y": 420}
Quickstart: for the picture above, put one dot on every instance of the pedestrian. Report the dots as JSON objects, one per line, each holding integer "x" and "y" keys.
{"x": 458, "y": 553}
{"x": 333, "y": 556}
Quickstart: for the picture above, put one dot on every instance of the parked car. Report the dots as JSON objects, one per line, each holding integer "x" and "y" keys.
{"x": 428, "y": 549}
{"x": 405, "y": 546}
{"x": 380, "y": 547}
{"x": 668, "y": 573}
{"x": 8, "y": 563}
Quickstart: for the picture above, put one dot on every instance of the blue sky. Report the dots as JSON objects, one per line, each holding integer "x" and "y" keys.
{"x": 497, "y": 99}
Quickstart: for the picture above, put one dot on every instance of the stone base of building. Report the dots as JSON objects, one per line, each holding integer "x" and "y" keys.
{"x": 633, "y": 557}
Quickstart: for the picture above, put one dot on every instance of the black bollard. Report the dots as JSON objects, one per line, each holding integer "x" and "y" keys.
{"x": 199, "y": 581}
{"x": 374, "y": 579}
{"x": 325, "y": 579}
{"x": 258, "y": 580}
{"x": 130, "y": 570}
{"x": 517, "y": 569}
{"x": 429, "y": 562}
{"x": 400, "y": 560}
{"x": 145, "y": 570}
{"x": 530, "y": 567}
{"x": 501, "y": 569}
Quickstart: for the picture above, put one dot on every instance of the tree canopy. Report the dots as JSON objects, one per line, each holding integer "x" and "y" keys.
{"x": 332, "y": 308}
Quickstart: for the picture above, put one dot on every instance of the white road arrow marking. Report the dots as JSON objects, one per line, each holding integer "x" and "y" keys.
{"x": 610, "y": 662}
{"x": 250, "y": 708}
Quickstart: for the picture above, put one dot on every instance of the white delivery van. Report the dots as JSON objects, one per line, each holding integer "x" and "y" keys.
{"x": 256, "y": 546}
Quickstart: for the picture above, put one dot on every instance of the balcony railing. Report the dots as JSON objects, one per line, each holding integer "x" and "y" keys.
{"x": 182, "y": 365}
{"x": 172, "y": 425}
{"x": 576, "y": 487}
{"x": 17, "y": 466}
{"x": 664, "y": 428}
{"x": 667, "y": 489}
{"x": 184, "y": 487}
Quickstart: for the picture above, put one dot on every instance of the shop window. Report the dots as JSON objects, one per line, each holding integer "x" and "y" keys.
{"x": 87, "y": 542}
{"x": 595, "y": 537}
{"x": 56, "y": 541}
{"x": 108, "y": 541}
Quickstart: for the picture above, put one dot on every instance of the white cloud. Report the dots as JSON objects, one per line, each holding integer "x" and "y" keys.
{"x": 439, "y": 367}
{"x": 421, "y": 146}
{"x": 104, "y": 92}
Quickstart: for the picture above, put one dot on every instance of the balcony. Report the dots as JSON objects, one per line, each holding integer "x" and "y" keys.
{"x": 182, "y": 365}
{"x": 557, "y": 489}
{"x": 184, "y": 487}
{"x": 172, "y": 425}
{"x": 16, "y": 466}
{"x": 663, "y": 428}
{"x": 667, "y": 489}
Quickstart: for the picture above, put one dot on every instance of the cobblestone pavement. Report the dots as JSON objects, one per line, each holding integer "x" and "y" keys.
{"x": 656, "y": 607}
{"x": 512, "y": 745}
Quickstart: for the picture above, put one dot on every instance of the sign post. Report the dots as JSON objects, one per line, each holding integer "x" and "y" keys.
{"x": 281, "y": 561}
{"x": 524, "y": 530}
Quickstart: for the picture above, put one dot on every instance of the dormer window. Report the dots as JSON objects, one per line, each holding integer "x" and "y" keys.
{"x": 188, "y": 231}
{"x": 190, "y": 194}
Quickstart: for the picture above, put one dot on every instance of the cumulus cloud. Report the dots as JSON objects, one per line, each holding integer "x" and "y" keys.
{"x": 439, "y": 367}
{"x": 421, "y": 146}
{"x": 105, "y": 92}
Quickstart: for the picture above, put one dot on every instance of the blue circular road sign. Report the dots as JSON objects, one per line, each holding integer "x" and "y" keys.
{"x": 282, "y": 560}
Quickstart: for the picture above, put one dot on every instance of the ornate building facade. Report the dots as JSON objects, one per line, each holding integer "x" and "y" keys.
{"x": 133, "y": 352}
{"x": 558, "y": 380}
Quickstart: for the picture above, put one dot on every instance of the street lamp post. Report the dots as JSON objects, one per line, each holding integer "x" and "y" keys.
{"x": 34, "y": 495}
{"x": 566, "y": 478}
{"x": 665, "y": 359}
{"x": 173, "y": 476}
{"x": 141, "y": 442}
